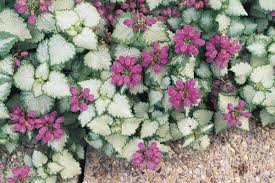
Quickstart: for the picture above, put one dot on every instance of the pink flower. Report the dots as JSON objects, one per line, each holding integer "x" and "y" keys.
{"x": 139, "y": 23}
{"x": 147, "y": 157}
{"x": 45, "y": 5}
{"x": 235, "y": 113}
{"x": 32, "y": 8}
{"x": 273, "y": 14}
{"x": 19, "y": 174}
{"x": 22, "y": 122}
{"x": 224, "y": 85}
{"x": 80, "y": 101}
{"x": 21, "y": 6}
{"x": 188, "y": 41}
{"x": 11, "y": 180}
{"x": 20, "y": 55}
{"x": 167, "y": 13}
{"x": 221, "y": 49}
{"x": 158, "y": 57}
{"x": 32, "y": 19}
{"x": 17, "y": 62}
{"x": 110, "y": 11}
{"x": 49, "y": 127}
{"x": 135, "y": 6}
{"x": 22, "y": 172}
{"x": 125, "y": 70}
{"x": 184, "y": 94}
{"x": 24, "y": 54}
{"x": 170, "y": 12}
{"x": 198, "y": 4}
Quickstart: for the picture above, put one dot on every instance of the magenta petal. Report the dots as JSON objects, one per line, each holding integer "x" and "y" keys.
{"x": 230, "y": 107}
{"x": 150, "y": 21}
{"x": 74, "y": 100}
{"x": 24, "y": 54}
{"x": 48, "y": 137}
{"x": 187, "y": 102}
{"x": 38, "y": 137}
{"x": 11, "y": 180}
{"x": 156, "y": 68}
{"x": 16, "y": 171}
{"x": 25, "y": 171}
{"x": 141, "y": 146}
{"x": 151, "y": 166}
{"x": 128, "y": 22}
{"x": 59, "y": 120}
{"x": 58, "y": 133}
{"x": 42, "y": 130}
{"x": 90, "y": 98}
{"x": 17, "y": 62}
{"x": 183, "y": 48}
{"x": 73, "y": 91}
{"x": 31, "y": 114}
{"x": 86, "y": 92}
{"x": 245, "y": 114}
{"x": 22, "y": 9}
{"x": 32, "y": 19}
{"x": 239, "y": 123}
{"x": 155, "y": 47}
{"x": 83, "y": 106}
{"x": 226, "y": 116}
{"x": 241, "y": 104}
{"x": 231, "y": 122}
{"x": 74, "y": 107}
{"x": 199, "y": 42}
{"x": 52, "y": 117}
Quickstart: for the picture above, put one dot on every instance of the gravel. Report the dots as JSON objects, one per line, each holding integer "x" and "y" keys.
{"x": 233, "y": 157}
{"x": 8, "y": 161}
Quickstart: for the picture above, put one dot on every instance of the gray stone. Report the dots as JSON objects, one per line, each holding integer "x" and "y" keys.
{"x": 242, "y": 160}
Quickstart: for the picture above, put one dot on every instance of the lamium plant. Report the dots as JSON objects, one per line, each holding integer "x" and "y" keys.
{"x": 127, "y": 77}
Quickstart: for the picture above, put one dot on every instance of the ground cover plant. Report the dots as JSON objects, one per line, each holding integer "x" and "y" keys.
{"x": 126, "y": 77}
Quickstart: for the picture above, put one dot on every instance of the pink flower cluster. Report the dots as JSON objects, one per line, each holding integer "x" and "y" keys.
{"x": 19, "y": 56}
{"x": 80, "y": 101}
{"x": 22, "y": 122}
{"x": 45, "y": 5}
{"x": 168, "y": 12}
{"x": 147, "y": 157}
{"x": 273, "y": 14}
{"x": 32, "y": 7}
{"x": 127, "y": 71}
{"x": 188, "y": 41}
{"x": 19, "y": 174}
{"x": 223, "y": 85}
{"x": 198, "y": 4}
{"x": 184, "y": 94}
{"x": 158, "y": 57}
{"x": 135, "y": 6}
{"x": 140, "y": 22}
{"x": 221, "y": 49}
{"x": 108, "y": 13}
{"x": 235, "y": 113}
{"x": 49, "y": 127}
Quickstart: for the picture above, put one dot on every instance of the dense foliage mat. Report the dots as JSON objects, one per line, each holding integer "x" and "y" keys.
{"x": 127, "y": 76}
